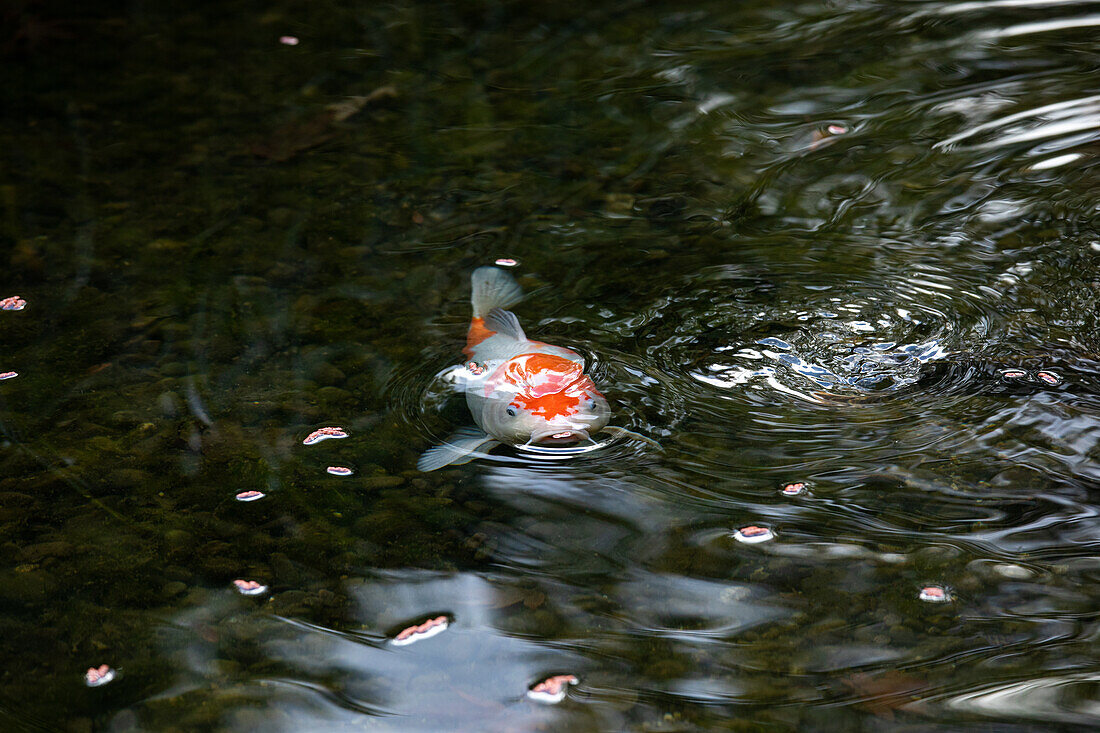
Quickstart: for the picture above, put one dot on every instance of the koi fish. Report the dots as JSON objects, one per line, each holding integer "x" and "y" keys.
{"x": 519, "y": 391}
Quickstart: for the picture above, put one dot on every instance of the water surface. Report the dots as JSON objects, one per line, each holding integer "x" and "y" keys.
{"x": 798, "y": 242}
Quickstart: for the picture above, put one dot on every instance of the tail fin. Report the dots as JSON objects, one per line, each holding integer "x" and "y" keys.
{"x": 492, "y": 288}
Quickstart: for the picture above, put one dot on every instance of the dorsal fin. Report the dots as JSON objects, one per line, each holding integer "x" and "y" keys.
{"x": 491, "y": 287}
{"x": 505, "y": 323}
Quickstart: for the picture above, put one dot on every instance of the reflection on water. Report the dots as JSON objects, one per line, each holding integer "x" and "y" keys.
{"x": 833, "y": 265}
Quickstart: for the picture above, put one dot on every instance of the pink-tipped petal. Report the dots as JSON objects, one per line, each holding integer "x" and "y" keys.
{"x": 98, "y": 676}
{"x": 552, "y": 689}
{"x": 934, "y": 594}
{"x": 1049, "y": 377}
{"x": 249, "y": 587}
{"x": 752, "y": 535}
{"x": 418, "y": 632}
{"x": 330, "y": 433}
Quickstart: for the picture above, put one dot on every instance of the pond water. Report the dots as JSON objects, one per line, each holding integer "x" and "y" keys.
{"x": 851, "y": 245}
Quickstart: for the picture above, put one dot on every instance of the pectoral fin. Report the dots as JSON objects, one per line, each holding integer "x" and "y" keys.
{"x": 623, "y": 432}
{"x": 459, "y": 448}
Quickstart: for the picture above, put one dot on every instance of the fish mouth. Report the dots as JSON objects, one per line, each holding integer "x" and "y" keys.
{"x": 566, "y": 436}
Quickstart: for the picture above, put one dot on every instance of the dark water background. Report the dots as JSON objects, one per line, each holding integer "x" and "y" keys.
{"x": 799, "y": 241}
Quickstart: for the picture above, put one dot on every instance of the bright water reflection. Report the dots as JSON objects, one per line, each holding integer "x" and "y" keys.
{"x": 849, "y": 244}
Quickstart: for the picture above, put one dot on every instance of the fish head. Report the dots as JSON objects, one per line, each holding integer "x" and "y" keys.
{"x": 543, "y": 399}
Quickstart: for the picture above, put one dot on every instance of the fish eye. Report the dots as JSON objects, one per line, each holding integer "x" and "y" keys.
{"x": 511, "y": 411}
{"x": 591, "y": 403}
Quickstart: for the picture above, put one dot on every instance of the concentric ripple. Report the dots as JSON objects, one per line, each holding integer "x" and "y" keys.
{"x": 436, "y": 406}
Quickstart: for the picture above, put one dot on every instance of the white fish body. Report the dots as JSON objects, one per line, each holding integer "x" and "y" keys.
{"x": 519, "y": 391}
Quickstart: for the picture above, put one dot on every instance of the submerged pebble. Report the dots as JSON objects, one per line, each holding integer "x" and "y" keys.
{"x": 98, "y": 676}
{"x": 506, "y": 262}
{"x": 8, "y": 375}
{"x": 417, "y": 632}
{"x": 250, "y": 495}
{"x": 934, "y": 594}
{"x": 320, "y": 434}
{"x": 752, "y": 534}
{"x": 382, "y": 482}
{"x": 249, "y": 587}
{"x": 1012, "y": 374}
{"x": 288, "y": 40}
{"x": 1010, "y": 570}
{"x": 339, "y": 470}
{"x": 552, "y": 689}
{"x": 14, "y": 303}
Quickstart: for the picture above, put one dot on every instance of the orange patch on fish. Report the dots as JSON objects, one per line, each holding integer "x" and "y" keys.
{"x": 545, "y": 385}
{"x": 476, "y": 335}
